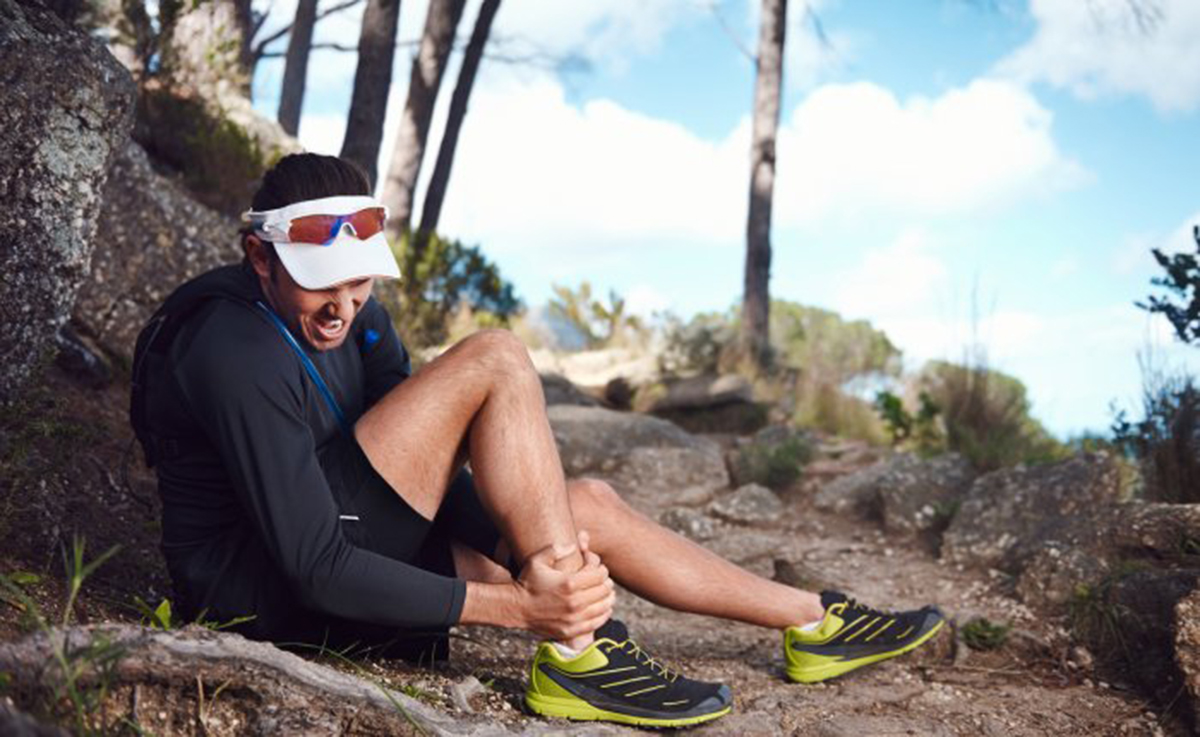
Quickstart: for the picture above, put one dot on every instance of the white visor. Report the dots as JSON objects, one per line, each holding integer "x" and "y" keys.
{"x": 346, "y": 258}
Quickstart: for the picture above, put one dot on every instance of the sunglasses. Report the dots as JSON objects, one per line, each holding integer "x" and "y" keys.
{"x": 318, "y": 228}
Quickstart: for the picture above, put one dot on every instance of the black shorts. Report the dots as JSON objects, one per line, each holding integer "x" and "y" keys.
{"x": 375, "y": 517}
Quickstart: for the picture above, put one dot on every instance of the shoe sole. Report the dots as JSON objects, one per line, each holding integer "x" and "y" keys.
{"x": 815, "y": 674}
{"x": 580, "y": 710}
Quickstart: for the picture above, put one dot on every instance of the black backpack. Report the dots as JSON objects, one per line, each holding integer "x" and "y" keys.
{"x": 154, "y": 343}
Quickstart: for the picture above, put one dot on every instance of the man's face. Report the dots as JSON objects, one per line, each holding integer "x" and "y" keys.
{"x": 321, "y": 316}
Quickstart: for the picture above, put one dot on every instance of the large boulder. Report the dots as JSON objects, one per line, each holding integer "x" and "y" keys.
{"x": 650, "y": 461}
{"x": 152, "y": 237}
{"x": 67, "y": 112}
{"x": 1187, "y": 645}
{"x": 705, "y": 403}
{"x": 918, "y": 494}
{"x": 1010, "y": 515}
{"x": 907, "y": 493}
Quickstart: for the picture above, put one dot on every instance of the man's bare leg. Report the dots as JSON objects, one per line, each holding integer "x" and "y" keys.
{"x": 664, "y": 567}
{"x": 484, "y": 397}
{"x": 668, "y": 569}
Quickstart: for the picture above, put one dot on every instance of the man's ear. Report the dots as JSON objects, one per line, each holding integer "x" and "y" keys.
{"x": 256, "y": 251}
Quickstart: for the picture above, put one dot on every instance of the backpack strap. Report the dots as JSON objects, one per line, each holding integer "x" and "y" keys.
{"x": 309, "y": 367}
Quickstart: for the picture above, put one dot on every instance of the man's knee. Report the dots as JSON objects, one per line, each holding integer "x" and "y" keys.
{"x": 592, "y": 500}
{"x": 500, "y": 352}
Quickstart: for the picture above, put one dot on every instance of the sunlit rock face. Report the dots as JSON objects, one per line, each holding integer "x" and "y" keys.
{"x": 153, "y": 236}
{"x": 67, "y": 111}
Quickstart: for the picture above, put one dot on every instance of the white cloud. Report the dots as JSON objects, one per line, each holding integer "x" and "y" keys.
{"x": 1133, "y": 255}
{"x": 853, "y": 148}
{"x": 535, "y": 169}
{"x": 1102, "y": 47}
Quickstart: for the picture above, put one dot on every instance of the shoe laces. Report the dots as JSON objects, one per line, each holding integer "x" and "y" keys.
{"x": 656, "y": 667}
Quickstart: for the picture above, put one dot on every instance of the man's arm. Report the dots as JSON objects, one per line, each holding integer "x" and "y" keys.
{"x": 248, "y": 392}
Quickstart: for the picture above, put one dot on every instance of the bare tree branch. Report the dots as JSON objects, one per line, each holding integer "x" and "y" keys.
{"x": 260, "y": 48}
{"x": 714, "y": 7}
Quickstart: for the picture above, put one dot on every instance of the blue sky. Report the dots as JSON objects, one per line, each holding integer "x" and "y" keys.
{"x": 937, "y": 159}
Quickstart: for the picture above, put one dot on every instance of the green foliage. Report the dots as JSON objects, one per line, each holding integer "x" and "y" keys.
{"x": 1183, "y": 282}
{"x": 922, "y": 428}
{"x": 1166, "y": 441}
{"x": 773, "y": 462}
{"x": 161, "y": 617}
{"x": 601, "y": 325}
{"x": 816, "y": 355}
{"x": 439, "y": 277}
{"x": 219, "y": 161}
{"x": 83, "y": 673}
{"x": 827, "y": 348}
{"x": 983, "y": 634}
{"x": 986, "y": 416}
{"x": 697, "y": 346}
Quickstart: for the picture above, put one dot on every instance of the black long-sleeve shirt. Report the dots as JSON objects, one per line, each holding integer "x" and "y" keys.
{"x": 247, "y": 479}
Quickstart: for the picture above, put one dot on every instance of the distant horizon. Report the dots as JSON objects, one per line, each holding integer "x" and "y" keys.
{"x": 937, "y": 161}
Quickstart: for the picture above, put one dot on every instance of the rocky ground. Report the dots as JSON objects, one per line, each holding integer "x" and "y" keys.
{"x": 1037, "y": 682}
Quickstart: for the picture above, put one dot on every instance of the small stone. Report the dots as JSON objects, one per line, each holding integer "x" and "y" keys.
{"x": 751, "y": 504}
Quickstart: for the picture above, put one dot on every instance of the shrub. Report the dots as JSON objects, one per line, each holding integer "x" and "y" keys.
{"x": 986, "y": 415}
{"x": 439, "y": 280}
{"x": 601, "y": 325}
{"x": 1183, "y": 281}
{"x": 922, "y": 429}
{"x": 1165, "y": 443}
{"x": 983, "y": 634}
{"x": 774, "y": 459}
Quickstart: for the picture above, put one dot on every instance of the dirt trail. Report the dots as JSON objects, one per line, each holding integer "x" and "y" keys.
{"x": 1026, "y": 687}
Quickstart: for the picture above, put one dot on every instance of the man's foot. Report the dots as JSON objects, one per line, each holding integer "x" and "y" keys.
{"x": 615, "y": 680}
{"x": 852, "y": 635}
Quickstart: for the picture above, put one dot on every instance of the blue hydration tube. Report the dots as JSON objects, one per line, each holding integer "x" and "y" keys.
{"x": 313, "y": 374}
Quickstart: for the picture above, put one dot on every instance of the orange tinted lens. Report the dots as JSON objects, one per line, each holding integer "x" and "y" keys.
{"x": 367, "y": 223}
{"x": 322, "y": 229}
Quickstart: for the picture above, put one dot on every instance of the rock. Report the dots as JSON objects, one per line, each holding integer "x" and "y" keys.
{"x": 67, "y": 111}
{"x": 1009, "y": 515}
{"x": 749, "y": 505}
{"x": 82, "y": 359}
{"x": 704, "y": 403}
{"x": 801, "y": 576}
{"x": 1187, "y": 645}
{"x": 462, "y": 692}
{"x": 918, "y": 494}
{"x": 857, "y": 493}
{"x": 155, "y": 236}
{"x": 618, "y": 393}
{"x": 1049, "y": 578}
{"x": 559, "y": 390}
{"x": 653, "y": 478}
{"x": 595, "y": 440}
{"x": 744, "y": 724}
{"x": 703, "y": 392}
{"x": 649, "y": 461}
{"x": 690, "y": 523}
{"x": 1147, "y": 623}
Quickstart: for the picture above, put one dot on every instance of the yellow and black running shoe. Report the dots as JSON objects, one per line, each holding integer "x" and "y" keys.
{"x": 852, "y": 635}
{"x": 615, "y": 680}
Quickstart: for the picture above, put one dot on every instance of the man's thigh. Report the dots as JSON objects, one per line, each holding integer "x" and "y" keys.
{"x": 414, "y": 436}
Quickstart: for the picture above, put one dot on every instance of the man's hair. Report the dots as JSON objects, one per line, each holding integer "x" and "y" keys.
{"x": 299, "y": 177}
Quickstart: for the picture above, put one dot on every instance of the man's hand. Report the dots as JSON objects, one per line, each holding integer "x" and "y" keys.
{"x": 559, "y": 605}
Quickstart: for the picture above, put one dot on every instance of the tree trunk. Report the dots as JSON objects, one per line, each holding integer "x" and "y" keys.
{"x": 432, "y": 209}
{"x": 436, "y": 43}
{"x": 372, "y": 80}
{"x": 295, "y": 71}
{"x": 756, "y": 303}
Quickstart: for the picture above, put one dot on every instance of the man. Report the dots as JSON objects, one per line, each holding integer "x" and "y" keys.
{"x": 308, "y": 481}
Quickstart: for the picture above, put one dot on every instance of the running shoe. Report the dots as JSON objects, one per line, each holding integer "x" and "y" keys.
{"x": 615, "y": 680}
{"x": 852, "y": 635}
